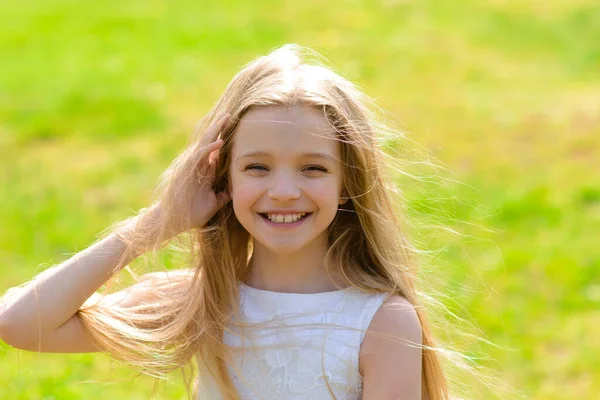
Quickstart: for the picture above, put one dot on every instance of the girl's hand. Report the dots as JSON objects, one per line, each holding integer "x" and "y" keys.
{"x": 206, "y": 202}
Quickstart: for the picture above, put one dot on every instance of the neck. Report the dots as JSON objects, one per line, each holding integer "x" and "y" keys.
{"x": 301, "y": 271}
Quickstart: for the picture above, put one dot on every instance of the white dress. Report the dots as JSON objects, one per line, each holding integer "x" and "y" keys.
{"x": 302, "y": 342}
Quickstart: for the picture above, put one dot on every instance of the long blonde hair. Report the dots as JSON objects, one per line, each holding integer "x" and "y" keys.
{"x": 185, "y": 316}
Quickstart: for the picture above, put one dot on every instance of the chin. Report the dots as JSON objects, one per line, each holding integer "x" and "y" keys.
{"x": 282, "y": 248}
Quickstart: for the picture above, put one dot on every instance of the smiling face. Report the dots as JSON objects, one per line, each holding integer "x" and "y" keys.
{"x": 285, "y": 177}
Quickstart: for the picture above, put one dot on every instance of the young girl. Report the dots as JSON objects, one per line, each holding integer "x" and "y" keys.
{"x": 300, "y": 283}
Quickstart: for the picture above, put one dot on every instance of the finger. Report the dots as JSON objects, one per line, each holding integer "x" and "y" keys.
{"x": 211, "y": 147}
{"x": 206, "y": 166}
{"x": 206, "y": 157}
{"x": 213, "y": 157}
{"x": 213, "y": 160}
{"x": 217, "y": 128}
{"x": 211, "y": 150}
{"x": 211, "y": 169}
{"x": 215, "y": 131}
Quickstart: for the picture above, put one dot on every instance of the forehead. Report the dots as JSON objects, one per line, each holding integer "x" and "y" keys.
{"x": 277, "y": 129}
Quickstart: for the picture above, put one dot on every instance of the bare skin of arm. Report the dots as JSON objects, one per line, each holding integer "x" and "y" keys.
{"x": 42, "y": 316}
{"x": 48, "y": 303}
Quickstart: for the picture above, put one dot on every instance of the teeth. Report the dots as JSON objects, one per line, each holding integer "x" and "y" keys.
{"x": 285, "y": 218}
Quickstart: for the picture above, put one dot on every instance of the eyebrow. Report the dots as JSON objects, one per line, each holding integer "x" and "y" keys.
{"x": 323, "y": 156}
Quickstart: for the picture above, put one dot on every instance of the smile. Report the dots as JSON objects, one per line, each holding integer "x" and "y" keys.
{"x": 284, "y": 219}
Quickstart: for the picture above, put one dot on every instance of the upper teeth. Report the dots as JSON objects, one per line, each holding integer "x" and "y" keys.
{"x": 285, "y": 218}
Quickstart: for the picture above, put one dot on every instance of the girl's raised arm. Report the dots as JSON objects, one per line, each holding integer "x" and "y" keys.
{"x": 42, "y": 315}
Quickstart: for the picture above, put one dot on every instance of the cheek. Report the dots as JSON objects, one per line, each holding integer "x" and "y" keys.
{"x": 324, "y": 192}
{"x": 243, "y": 192}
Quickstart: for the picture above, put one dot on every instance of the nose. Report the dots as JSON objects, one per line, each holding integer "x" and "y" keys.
{"x": 284, "y": 188}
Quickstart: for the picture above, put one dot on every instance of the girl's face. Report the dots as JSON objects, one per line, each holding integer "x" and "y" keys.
{"x": 285, "y": 176}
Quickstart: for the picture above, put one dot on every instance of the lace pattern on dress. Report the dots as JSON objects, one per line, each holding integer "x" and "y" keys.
{"x": 300, "y": 346}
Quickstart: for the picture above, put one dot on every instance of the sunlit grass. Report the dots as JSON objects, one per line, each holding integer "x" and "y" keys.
{"x": 96, "y": 99}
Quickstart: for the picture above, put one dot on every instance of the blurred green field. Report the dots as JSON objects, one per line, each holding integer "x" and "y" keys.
{"x": 97, "y": 98}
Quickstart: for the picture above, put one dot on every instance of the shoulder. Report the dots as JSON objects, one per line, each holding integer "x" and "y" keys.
{"x": 390, "y": 354}
{"x": 396, "y": 316}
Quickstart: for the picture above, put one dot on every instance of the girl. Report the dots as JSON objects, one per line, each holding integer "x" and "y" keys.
{"x": 300, "y": 283}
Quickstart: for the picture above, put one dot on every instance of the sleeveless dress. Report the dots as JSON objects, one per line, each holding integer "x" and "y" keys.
{"x": 294, "y": 346}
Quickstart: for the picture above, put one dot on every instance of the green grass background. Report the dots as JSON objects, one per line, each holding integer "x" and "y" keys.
{"x": 96, "y": 98}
